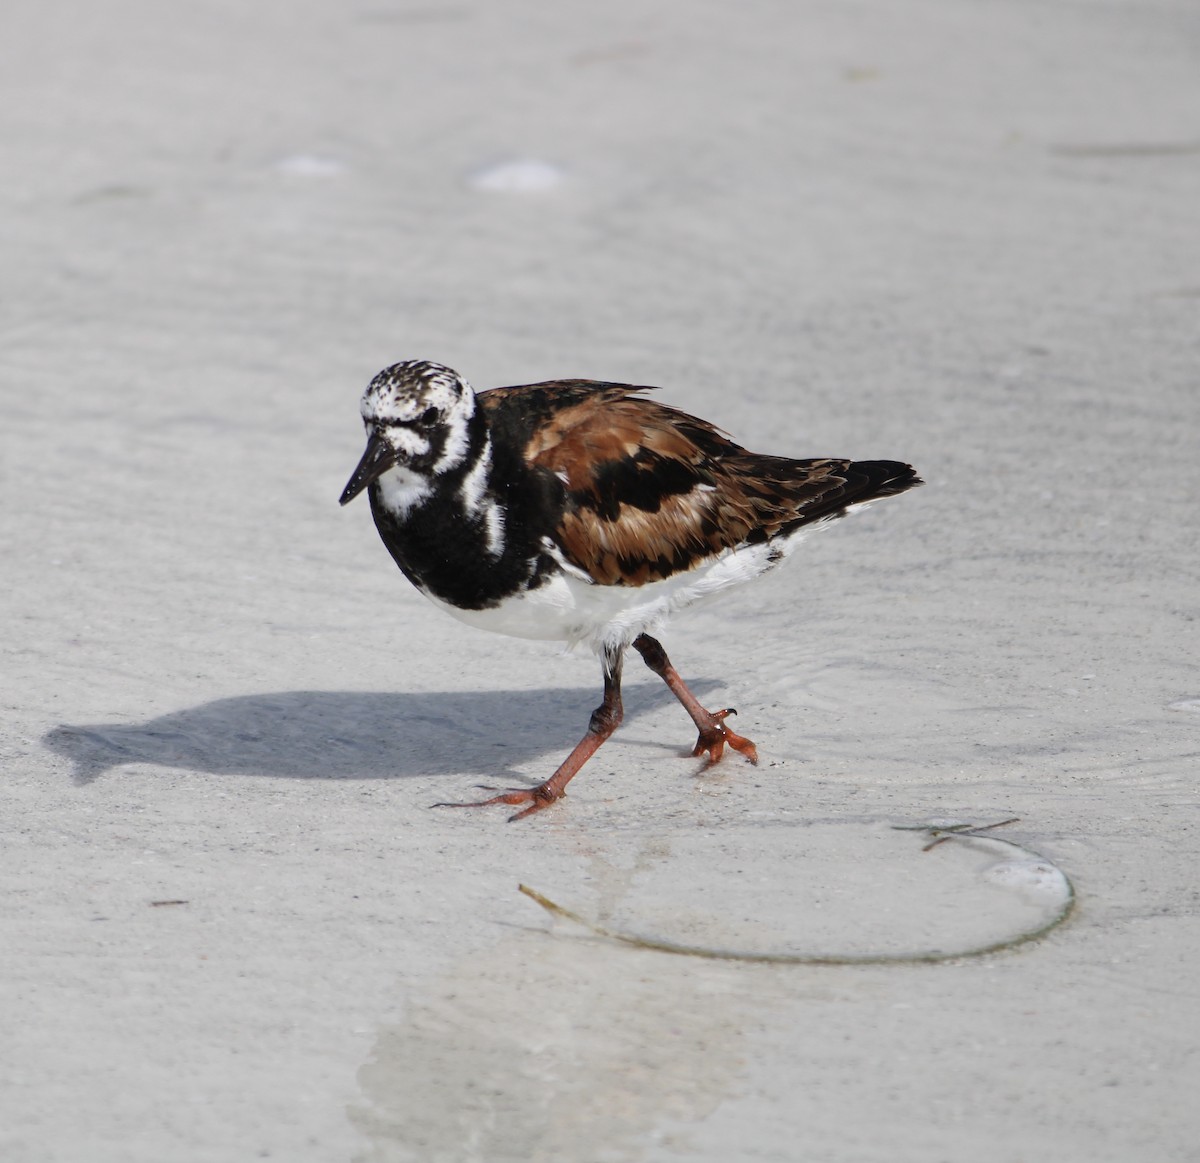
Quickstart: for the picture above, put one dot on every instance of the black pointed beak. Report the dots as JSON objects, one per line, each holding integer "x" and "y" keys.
{"x": 377, "y": 459}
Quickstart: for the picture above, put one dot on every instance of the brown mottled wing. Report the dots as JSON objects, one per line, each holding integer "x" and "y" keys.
{"x": 652, "y": 491}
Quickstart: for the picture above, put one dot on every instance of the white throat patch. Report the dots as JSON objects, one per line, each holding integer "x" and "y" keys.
{"x": 401, "y": 489}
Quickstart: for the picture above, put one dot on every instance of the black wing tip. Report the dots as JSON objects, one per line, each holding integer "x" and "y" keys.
{"x": 859, "y": 482}
{"x": 885, "y": 478}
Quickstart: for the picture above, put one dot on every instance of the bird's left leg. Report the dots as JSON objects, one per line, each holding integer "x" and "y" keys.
{"x": 714, "y": 734}
{"x": 606, "y": 718}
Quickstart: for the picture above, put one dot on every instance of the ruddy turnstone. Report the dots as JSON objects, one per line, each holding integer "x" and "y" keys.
{"x": 582, "y": 511}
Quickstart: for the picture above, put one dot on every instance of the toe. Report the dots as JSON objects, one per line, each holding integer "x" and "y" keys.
{"x": 711, "y": 742}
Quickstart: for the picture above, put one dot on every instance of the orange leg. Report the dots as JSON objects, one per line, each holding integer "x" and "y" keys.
{"x": 711, "y": 724}
{"x": 606, "y": 718}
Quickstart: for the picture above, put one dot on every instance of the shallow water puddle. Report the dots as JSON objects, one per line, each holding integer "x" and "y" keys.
{"x": 835, "y": 893}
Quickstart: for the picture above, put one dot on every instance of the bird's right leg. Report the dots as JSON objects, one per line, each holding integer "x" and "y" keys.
{"x": 711, "y": 724}
{"x": 606, "y": 718}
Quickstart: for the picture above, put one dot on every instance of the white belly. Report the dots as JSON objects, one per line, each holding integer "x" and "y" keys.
{"x": 572, "y": 610}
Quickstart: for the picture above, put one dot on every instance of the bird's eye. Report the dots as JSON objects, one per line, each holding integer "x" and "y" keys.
{"x": 428, "y": 418}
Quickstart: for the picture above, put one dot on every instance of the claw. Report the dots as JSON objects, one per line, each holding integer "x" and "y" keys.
{"x": 712, "y": 739}
{"x": 538, "y": 798}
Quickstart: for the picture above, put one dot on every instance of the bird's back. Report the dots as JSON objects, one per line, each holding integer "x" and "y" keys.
{"x": 651, "y": 491}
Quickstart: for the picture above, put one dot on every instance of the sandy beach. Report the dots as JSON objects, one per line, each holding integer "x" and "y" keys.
{"x": 964, "y": 235}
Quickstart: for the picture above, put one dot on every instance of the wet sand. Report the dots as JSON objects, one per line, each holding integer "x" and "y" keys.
{"x": 958, "y": 234}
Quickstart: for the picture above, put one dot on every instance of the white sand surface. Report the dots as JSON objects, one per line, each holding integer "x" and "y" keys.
{"x": 962, "y": 233}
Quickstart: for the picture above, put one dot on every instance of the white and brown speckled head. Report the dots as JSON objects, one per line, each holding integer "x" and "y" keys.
{"x": 417, "y": 415}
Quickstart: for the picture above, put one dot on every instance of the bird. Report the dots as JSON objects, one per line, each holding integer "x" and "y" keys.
{"x": 585, "y": 512}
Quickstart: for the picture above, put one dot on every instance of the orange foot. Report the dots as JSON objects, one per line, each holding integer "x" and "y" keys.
{"x": 538, "y": 798}
{"x": 715, "y": 735}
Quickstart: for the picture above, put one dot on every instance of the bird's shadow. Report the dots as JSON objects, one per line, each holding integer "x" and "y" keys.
{"x": 351, "y": 734}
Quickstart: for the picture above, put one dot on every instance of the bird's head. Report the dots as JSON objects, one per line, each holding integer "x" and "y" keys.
{"x": 417, "y": 416}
